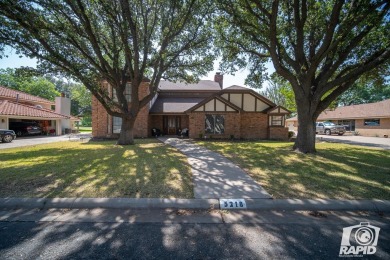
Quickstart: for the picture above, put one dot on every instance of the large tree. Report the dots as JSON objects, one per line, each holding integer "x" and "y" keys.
{"x": 320, "y": 47}
{"x": 118, "y": 41}
{"x": 371, "y": 87}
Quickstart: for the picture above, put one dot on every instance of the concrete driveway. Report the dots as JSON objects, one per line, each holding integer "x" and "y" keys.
{"x": 357, "y": 140}
{"x": 33, "y": 140}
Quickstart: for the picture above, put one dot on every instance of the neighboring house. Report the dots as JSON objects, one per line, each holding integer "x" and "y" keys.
{"x": 204, "y": 108}
{"x": 371, "y": 119}
{"x": 17, "y": 106}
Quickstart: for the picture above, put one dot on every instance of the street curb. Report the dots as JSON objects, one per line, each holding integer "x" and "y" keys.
{"x": 109, "y": 203}
{"x": 157, "y": 203}
{"x": 319, "y": 205}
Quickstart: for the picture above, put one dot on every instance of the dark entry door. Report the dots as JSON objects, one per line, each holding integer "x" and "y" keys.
{"x": 171, "y": 125}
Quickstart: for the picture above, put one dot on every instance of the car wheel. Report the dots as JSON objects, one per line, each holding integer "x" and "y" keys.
{"x": 328, "y": 132}
{"x": 19, "y": 133}
{"x": 341, "y": 133}
{"x": 7, "y": 138}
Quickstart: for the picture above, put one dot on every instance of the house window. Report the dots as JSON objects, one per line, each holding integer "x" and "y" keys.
{"x": 127, "y": 93}
{"x": 215, "y": 124}
{"x": 116, "y": 124}
{"x": 277, "y": 121}
{"x": 372, "y": 122}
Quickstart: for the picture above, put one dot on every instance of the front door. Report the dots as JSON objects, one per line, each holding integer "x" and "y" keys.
{"x": 171, "y": 125}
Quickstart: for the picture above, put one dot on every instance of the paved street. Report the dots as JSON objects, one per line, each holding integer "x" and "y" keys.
{"x": 35, "y": 140}
{"x": 182, "y": 234}
{"x": 357, "y": 140}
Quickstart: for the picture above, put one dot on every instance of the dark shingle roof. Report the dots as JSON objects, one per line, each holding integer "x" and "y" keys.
{"x": 235, "y": 87}
{"x": 201, "y": 85}
{"x": 173, "y": 104}
{"x": 378, "y": 109}
{"x": 370, "y": 110}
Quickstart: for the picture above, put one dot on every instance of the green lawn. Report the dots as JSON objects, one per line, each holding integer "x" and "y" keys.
{"x": 148, "y": 169}
{"x": 337, "y": 171}
{"x": 85, "y": 129}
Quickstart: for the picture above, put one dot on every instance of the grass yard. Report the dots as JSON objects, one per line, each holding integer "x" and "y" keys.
{"x": 337, "y": 171}
{"x": 148, "y": 169}
{"x": 85, "y": 129}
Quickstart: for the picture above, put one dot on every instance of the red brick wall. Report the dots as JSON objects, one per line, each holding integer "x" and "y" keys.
{"x": 156, "y": 121}
{"x": 99, "y": 119}
{"x": 278, "y": 133}
{"x": 102, "y": 122}
{"x": 376, "y": 131}
{"x": 197, "y": 125}
{"x": 184, "y": 121}
{"x": 254, "y": 126}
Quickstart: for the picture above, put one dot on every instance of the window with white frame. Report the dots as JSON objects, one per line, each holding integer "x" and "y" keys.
{"x": 215, "y": 124}
{"x": 116, "y": 124}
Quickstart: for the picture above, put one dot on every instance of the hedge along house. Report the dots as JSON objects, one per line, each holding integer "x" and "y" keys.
{"x": 18, "y": 106}
{"x": 206, "y": 109}
{"x": 372, "y": 119}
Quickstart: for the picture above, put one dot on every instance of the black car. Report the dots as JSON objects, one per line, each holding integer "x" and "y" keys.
{"x": 7, "y": 136}
{"x": 25, "y": 128}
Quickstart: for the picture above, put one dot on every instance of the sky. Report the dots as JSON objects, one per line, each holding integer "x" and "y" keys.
{"x": 14, "y": 61}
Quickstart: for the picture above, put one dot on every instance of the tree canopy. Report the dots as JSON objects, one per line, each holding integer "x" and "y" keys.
{"x": 320, "y": 47}
{"x": 280, "y": 92}
{"x": 27, "y": 80}
{"x": 117, "y": 41}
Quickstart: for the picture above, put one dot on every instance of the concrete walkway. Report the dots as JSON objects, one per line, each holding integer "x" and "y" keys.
{"x": 215, "y": 176}
{"x": 378, "y": 142}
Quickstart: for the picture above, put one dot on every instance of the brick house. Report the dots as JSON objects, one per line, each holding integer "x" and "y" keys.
{"x": 17, "y": 106}
{"x": 205, "y": 109}
{"x": 372, "y": 119}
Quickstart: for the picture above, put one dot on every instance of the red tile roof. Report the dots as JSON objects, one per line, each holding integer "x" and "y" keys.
{"x": 10, "y": 108}
{"x": 11, "y": 93}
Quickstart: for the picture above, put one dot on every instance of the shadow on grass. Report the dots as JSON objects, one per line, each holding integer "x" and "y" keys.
{"x": 95, "y": 169}
{"x": 336, "y": 171}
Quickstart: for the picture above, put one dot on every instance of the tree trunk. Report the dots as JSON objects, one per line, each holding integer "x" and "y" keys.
{"x": 306, "y": 137}
{"x": 126, "y": 136}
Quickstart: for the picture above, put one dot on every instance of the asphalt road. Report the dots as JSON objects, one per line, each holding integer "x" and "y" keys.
{"x": 181, "y": 235}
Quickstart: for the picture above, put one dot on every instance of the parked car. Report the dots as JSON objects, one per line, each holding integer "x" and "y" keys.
{"x": 6, "y": 136}
{"x": 329, "y": 128}
{"x": 25, "y": 128}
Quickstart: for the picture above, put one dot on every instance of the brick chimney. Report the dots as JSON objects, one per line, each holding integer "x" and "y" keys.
{"x": 219, "y": 78}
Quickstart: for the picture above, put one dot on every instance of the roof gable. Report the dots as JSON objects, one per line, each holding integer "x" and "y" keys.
{"x": 246, "y": 99}
{"x": 279, "y": 110}
{"x": 214, "y": 103}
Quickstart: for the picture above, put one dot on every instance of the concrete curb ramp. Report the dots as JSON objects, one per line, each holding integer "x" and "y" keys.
{"x": 155, "y": 203}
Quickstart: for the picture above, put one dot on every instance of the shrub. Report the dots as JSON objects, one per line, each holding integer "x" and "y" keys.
{"x": 290, "y": 134}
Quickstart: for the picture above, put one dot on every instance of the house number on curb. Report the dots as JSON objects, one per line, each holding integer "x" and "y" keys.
{"x": 232, "y": 204}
